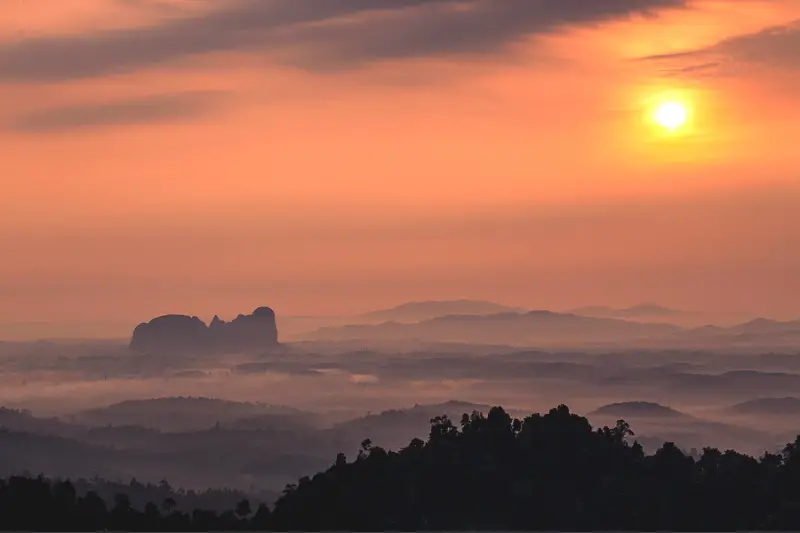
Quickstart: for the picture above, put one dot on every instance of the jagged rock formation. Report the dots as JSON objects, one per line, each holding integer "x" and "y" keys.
{"x": 256, "y": 331}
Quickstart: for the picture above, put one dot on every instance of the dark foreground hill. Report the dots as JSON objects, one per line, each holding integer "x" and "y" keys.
{"x": 546, "y": 472}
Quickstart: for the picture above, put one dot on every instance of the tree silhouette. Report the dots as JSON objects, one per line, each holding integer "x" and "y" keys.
{"x": 550, "y": 471}
{"x": 544, "y": 472}
{"x": 243, "y": 509}
{"x": 168, "y": 505}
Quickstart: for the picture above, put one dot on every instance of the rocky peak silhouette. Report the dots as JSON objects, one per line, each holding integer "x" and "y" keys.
{"x": 181, "y": 332}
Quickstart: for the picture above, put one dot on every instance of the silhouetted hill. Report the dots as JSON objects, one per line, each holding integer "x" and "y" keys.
{"x": 122, "y": 437}
{"x": 651, "y": 312}
{"x": 768, "y": 407}
{"x": 760, "y": 332}
{"x": 764, "y": 326}
{"x": 550, "y": 472}
{"x": 178, "y": 413}
{"x": 450, "y": 408}
{"x": 638, "y": 409}
{"x": 539, "y": 328}
{"x": 545, "y": 329}
{"x": 261, "y": 458}
{"x": 395, "y": 427}
{"x": 485, "y": 472}
{"x": 419, "y": 311}
{"x": 56, "y": 456}
{"x": 257, "y": 331}
{"x": 276, "y": 421}
{"x": 656, "y": 422}
{"x": 21, "y": 420}
{"x": 711, "y": 384}
{"x": 559, "y": 330}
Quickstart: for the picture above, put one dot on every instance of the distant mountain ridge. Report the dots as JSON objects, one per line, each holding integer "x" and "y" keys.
{"x": 766, "y": 325}
{"x": 426, "y": 310}
{"x": 757, "y": 332}
{"x": 548, "y": 329}
{"x": 298, "y": 327}
{"x": 768, "y": 407}
{"x": 643, "y": 310}
{"x": 531, "y": 328}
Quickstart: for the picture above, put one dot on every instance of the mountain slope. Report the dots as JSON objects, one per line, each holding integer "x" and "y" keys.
{"x": 637, "y": 409}
{"x": 419, "y": 311}
{"x": 645, "y": 310}
{"x": 536, "y": 328}
{"x": 177, "y": 413}
{"x": 768, "y": 407}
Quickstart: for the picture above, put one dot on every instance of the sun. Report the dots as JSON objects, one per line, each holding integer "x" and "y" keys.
{"x": 671, "y": 115}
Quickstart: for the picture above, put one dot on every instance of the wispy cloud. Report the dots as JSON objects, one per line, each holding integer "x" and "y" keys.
{"x": 332, "y": 34}
{"x": 777, "y": 46}
{"x": 144, "y": 110}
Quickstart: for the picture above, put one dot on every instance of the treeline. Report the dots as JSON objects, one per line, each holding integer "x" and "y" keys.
{"x": 140, "y": 494}
{"x": 546, "y": 472}
{"x": 37, "y": 504}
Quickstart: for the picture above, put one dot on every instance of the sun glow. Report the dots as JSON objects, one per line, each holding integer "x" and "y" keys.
{"x": 671, "y": 115}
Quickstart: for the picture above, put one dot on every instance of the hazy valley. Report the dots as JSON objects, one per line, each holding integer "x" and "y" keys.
{"x": 255, "y": 420}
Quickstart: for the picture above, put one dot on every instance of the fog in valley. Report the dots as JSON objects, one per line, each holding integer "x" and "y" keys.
{"x": 254, "y": 420}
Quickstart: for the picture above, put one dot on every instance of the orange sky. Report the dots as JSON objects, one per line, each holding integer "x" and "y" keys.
{"x": 202, "y": 156}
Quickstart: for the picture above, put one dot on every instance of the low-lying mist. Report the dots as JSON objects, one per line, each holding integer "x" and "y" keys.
{"x": 85, "y": 409}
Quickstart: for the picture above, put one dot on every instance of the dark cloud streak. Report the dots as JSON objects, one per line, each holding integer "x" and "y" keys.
{"x": 486, "y": 27}
{"x": 415, "y": 28}
{"x": 243, "y": 24}
{"x": 145, "y": 110}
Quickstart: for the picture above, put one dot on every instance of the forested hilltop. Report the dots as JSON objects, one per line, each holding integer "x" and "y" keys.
{"x": 546, "y": 472}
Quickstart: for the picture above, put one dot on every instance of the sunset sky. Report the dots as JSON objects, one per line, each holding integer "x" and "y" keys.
{"x": 332, "y": 156}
